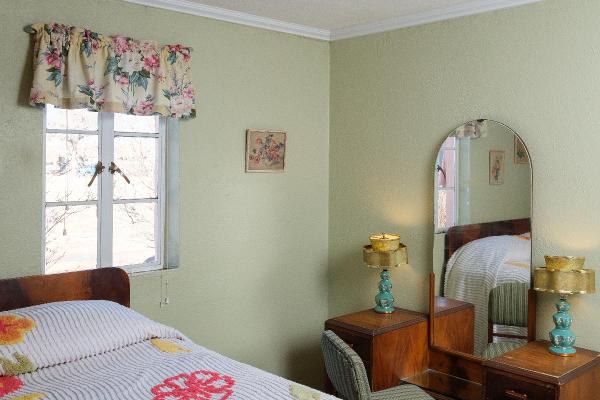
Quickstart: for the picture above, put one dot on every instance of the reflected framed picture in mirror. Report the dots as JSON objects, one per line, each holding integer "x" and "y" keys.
{"x": 521, "y": 156}
{"x": 497, "y": 169}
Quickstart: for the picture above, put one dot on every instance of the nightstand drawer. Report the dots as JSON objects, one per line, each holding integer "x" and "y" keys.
{"x": 504, "y": 387}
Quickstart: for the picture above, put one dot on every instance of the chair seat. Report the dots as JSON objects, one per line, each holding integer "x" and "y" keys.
{"x": 402, "y": 392}
{"x": 496, "y": 349}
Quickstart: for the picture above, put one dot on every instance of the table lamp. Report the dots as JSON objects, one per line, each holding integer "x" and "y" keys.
{"x": 563, "y": 275}
{"x": 385, "y": 252}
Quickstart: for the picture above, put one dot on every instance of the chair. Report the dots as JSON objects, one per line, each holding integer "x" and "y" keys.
{"x": 349, "y": 377}
{"x": 507, "y": 306}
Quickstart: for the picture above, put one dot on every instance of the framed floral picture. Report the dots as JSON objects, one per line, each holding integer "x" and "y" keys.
{"x": 521, "y": 156}
{"x": 497, "y": 167}
{"x": 265, "y": 151}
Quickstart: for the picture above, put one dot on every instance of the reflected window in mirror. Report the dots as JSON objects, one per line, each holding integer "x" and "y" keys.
{"x": 445, "y": 181}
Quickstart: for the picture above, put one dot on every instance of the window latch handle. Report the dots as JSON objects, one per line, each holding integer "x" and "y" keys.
{"x": 99, "y": 169}
{"x": 115, "y": 168}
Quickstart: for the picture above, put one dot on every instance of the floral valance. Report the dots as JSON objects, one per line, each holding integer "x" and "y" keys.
{"x": 78, "y": 68}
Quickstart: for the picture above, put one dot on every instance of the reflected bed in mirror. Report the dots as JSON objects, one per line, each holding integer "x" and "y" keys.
{"x": 482, "y": 239}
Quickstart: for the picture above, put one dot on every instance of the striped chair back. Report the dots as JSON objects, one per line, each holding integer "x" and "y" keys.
{"x": 344, "y": 368}
{"x": 508, "y": 304}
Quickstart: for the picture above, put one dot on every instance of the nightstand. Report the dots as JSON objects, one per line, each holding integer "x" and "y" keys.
{"x": 531, "y": 372}
{"x": 392, "y": 346}
{"x": 454, "y": 325}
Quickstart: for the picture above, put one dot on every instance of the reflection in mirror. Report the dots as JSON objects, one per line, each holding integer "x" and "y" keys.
{"x": 482, "y": 239}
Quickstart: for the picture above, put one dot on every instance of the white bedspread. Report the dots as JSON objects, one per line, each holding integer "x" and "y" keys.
{"x": 481, "y": 265}
{"x": 100, "y": 350}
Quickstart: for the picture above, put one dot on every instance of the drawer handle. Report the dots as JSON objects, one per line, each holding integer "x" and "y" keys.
{"x": 511, "y": 394}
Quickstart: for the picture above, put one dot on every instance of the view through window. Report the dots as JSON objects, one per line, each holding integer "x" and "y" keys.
{"x": 104, "y": 180}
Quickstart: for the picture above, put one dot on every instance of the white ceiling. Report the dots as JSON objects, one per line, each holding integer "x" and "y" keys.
{"x": 332, "y": 19}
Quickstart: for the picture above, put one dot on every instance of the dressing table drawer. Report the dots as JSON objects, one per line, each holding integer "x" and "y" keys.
{"x": 500, "y": 386}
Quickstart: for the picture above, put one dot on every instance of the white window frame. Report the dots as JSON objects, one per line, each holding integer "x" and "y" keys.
{"x": 104, "y": 202}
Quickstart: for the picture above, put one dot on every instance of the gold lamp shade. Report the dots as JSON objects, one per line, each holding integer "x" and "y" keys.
{"x": 564, "y": 275}
{"x": 564, "y": 263}
{"x": 385, "y": 259}
{"x": 385, "y": 241}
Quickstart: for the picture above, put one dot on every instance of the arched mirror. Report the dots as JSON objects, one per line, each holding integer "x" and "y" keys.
{"x": 482, "y": 240}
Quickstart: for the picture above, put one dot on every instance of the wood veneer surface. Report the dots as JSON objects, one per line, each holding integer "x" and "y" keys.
{"x": 535, "y": 361}
{"x": 96, "y": 284}
{"x": 371, "y": 323}
{"x": 443, "y": 384}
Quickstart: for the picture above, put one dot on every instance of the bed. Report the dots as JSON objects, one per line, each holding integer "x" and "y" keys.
{"x": 73, "y": 336}
{"x": 484, "y": 262}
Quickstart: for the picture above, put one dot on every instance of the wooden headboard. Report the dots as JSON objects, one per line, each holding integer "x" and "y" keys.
{"x": 458, "y": 236}
{"x": 96, "y": 284}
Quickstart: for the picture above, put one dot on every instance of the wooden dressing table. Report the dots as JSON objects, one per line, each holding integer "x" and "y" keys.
{"x": 395, "y": 349}
{"x": 531, "y": 372}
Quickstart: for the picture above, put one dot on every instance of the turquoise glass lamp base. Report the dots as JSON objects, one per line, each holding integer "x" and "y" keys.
{"x": 384, "y": 300}
{"x": 562, "y": 337}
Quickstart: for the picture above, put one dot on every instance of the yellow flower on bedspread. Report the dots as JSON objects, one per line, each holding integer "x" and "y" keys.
{"x": 31, "y": 396}
{"x": 169, "y": 347}
{"x": 300, "y": 392}
{"x": 13, "y": 328}
{"x": 22, "y": 365}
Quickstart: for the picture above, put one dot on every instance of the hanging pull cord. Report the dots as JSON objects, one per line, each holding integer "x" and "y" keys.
{"x": 98, "y": 171}
{"x": 115, "y": 168}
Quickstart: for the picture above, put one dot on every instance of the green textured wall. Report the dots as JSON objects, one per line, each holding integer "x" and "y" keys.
{"x": 253, "y": 276}
{"x": 396, "y": 95}
{"x": 510, "y": 200}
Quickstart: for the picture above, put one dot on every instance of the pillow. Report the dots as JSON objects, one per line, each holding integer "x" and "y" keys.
{"x": 54, "y": 333}
{"x": 524, "y": 236}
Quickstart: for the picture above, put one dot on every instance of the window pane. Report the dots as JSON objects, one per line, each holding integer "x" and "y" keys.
{"x": 138, "y": 159}
{"x": 71, "y": 238}
{"x": 445, "y": 211}
{"x": 70, "y": 164}
{"x": 56, "y": 118}
{"x": 447, "y": 171}
{"x": 449, "y": 142}
{"x": 136, "y": 123}
{"x": 83, "y": 120}
{"x": 134, "y": 236}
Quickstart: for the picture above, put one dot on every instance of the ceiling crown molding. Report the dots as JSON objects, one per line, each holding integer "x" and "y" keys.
{"x": 439, "y": 14}
{"x": 237, "y": 17}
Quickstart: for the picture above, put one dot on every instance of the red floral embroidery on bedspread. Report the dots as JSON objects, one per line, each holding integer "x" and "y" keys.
{"x": 197, "y": 385}
{"x": 9, "y": 384}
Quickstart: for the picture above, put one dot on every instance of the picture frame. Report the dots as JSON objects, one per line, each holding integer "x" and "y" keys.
{"x": 521, "y": 155}
{"x": 497, "y": 167}
{"x": 265, "y": 150}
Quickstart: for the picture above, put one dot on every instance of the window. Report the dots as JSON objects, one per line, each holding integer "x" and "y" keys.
{"x": 104, "y": 180}
{"x": 445, "y": 184}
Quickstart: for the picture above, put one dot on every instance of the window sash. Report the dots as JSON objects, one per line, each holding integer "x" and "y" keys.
{"x": 105, "y": 201}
